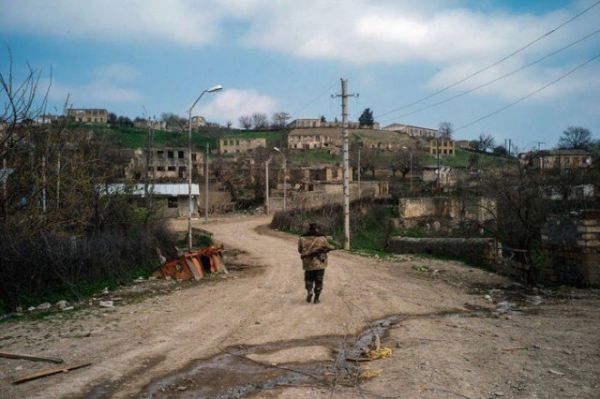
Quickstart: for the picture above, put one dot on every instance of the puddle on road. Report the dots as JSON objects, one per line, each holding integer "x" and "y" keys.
{"x": 231, "y": 374}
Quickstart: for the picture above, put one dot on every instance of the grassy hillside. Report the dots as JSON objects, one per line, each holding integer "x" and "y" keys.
{"x": 132, "y": 137}
{"x": 274, "y": 138}
{"x": 311, "y": 157}
{"x": 461, "y": 159}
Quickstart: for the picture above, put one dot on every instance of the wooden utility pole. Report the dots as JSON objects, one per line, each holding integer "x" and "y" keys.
{"x": 345, "y": 161}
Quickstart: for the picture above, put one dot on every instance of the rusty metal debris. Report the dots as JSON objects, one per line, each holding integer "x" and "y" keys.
{"x": 193, "y": 265}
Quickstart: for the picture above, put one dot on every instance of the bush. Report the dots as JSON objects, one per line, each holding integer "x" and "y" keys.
{"x": 369, "y": 224}
{"x": 43, "y": 266}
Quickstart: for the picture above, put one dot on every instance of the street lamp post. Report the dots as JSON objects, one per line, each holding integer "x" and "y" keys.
{"x": 284, "y": 178}
{"x": 211, "y": 90}
{"x": 206, "y": 183}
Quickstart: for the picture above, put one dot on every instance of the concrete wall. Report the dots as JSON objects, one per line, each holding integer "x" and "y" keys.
{"x": 477, "y": 251}
{"x": 218, "y": 201}
{"x": 476, "y": 209}
{"x": 571, "y": 248}
{"x": 332, "y": 195}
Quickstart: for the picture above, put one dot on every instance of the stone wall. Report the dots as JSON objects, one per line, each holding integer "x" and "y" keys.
{"x": 478, "y": 209}
{"x": 332, "y": 194}
{"x": 571, "y": 248}
{"x": 476, "y": 251}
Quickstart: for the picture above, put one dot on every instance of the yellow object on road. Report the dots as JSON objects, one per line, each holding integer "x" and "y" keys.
{"x": 382, "y": 353}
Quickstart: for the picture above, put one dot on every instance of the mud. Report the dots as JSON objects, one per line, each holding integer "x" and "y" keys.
{"x": 231, "y": 374}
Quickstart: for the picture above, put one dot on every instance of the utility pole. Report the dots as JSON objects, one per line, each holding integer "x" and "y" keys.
{"x": 146, "y": 197}
{"x": 437, "y": 150}
{"x": 189, "y": 177}
{"x": 206, "y": 183}
{"x": 284, "y": 183}
{"x": 211, "y": 90}
{"x": 358, "y": 171}
{"x": 345, "y": 162}
{"x": 151, "y": 160}
{"x": 267, "y": 205}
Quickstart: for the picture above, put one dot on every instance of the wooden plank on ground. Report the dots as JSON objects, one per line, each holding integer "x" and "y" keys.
{"x": 30, "y": 357}
{"x": 47, "y": 372}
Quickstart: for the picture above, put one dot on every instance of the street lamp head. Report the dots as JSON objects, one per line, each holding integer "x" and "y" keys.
{"x": 404, "y": 147}
{"x": 276, "y": 149}
{"x": 215, "y": 88}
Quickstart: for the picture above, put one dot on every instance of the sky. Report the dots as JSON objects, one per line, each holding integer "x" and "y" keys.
{"x": 129, "y": 56}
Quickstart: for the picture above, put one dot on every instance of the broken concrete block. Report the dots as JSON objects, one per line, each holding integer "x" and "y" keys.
{"x": 44, "y": 306}
{"x": 62, "y": 304}
{"x": 106, "y": 304}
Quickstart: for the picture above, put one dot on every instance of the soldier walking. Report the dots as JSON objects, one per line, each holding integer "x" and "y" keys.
{"x": 313, "y": 248}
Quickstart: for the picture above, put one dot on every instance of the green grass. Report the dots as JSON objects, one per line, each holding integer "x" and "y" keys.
{"x": 136, "y": 138}
{"x": 274, "y": 138}
{"x": 309, "y": 157}
{"x": 132, "y": 137}
{"x": 461, "y": 159}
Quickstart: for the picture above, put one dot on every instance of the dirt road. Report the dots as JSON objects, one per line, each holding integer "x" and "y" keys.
{"x": 442, "y": 348}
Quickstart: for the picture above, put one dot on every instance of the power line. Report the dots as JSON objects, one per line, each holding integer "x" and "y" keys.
{"x": 519, "y": 50}
{"x": 531, "y": 94}
{"x": 326, "y": 91}
{"x": 498, "y": 78}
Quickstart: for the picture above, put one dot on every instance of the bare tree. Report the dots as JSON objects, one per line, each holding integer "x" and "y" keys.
{"x": 280, "y": 119}
{"x": 402, "y": 163}
{"x": 370, "y": 160}
{"x": 446, "y": 130}
{"x": 173, "y": 121}
{"x": 484, "y": 142}
{"x": 245, "y": 121}
{"x": 260, "y": 120}
{"x": 575, "y": 137}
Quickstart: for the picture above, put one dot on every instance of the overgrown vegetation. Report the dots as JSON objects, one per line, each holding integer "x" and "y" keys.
{"x": 464, "y": 159}
{"x": 63, "y": 231}
{"x": 316, "y": 156}
{"x": 370, "y": 226}
{"x": 133, "y": 137}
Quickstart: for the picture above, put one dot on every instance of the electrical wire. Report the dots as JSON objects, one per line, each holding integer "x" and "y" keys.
{"x": 531, "y": 94}
{"x": 496, "y": 79}
{"x": 302, "y": 108}
{"x": 472, "y": 75}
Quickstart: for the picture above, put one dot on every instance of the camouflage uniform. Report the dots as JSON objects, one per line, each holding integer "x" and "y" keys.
{"x": 313, "y": 248}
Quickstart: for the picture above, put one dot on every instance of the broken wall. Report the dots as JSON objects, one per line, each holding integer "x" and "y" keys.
{"x": 480, "y": 209}
{"x": 570, "y": 249}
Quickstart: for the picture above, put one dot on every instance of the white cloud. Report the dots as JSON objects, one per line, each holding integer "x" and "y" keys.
{"x": 233, "y": 103}
{"x": 107, "y": 86}
{"x": 118, "y": 72}
{"x": 586, "y": 79}
{"x": 445, "y": 34}
{"x": 184, "y": 22}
